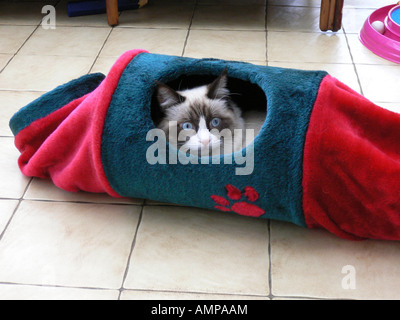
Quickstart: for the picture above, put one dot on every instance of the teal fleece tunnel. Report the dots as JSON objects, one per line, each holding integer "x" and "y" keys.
{"x": 91, "y": 134}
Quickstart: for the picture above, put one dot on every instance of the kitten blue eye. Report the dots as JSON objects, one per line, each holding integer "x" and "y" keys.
{"x": 187, "y": 126}
{"x": 215, "y": 122}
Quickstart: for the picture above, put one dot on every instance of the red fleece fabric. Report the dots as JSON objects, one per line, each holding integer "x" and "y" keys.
{"x": 351, "y": 168}
{"x": 66, "y": 145}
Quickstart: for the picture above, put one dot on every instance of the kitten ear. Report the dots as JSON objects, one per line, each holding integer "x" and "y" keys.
{"x": 218, "y": 89}
{"x": 167, "y": 97}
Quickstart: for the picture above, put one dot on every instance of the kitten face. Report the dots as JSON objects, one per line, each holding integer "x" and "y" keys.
{"x": 204, "y": 117}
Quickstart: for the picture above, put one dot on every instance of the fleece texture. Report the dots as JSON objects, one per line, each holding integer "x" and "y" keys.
{"x": 325, "y": 157}
{"x": 90, "y": 135}
{"x": 62, "y": 142}
{"x": 278, "y": 148}
{"x": 352, "y": 166}
{"x": 54, "y": 100}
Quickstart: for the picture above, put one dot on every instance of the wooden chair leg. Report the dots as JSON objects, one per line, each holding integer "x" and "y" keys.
{"x": 112, "y": 12}
{"x": 331, "y": 15}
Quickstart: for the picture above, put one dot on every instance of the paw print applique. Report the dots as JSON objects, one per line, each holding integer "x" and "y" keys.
{"x": 240, "y": 207}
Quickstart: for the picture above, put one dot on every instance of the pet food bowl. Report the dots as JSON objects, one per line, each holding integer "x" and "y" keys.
{"x": 386, "y": 45}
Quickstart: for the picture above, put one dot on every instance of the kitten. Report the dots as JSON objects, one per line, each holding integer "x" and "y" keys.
{"x": 204, "y": 117}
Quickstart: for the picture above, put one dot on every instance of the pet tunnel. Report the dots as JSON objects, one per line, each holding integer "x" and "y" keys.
{"x": 325, "y": 156}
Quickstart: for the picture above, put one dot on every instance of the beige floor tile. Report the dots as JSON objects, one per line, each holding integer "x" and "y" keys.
{"x": 362, "y": 55}
{"x": 10, "y": 103}
{"x": 256, "y": 62}
{"x": 307, "y": 47}
{"x": 42, "y": 73}
{"x": 13, "y": 37}
{"x": 165, "y": 41}
{"x": 353, "y": 19}
{"x": 344, "y": 72}
{"x": 4, "y": 58}
{"x": 26, "y": 292}
{"x": 187, "y": 249}
{"x": 159, "y": 15}
{"x": 294, "y": 298}
{"x": 314, "y": 263}
{"x": 293, "y": 19}
{"x": 67, "y": 244}
{"x": 41, "y": 189}
{"x": 21, "y": 13}
{"x": 103, "y": 65}
{"x": 380, "y": 82}
{"x": 230, "y": 45}
{"x": 159, "y": 295}
{"x": 229, "y": 18}
{"x": 66, "y": 41}
{"x": 7, "y": 208}
{"x": 12, "y": 182}
{"x": 159, "y": 203}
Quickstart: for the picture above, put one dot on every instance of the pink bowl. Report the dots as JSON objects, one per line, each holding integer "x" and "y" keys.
{"x": 385, "y": 45}
{"x": 390, "y": 23}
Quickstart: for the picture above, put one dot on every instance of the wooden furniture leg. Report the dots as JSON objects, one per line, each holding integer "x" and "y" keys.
{"x": 331, "y": 15}
{"x": 112, "y": 12}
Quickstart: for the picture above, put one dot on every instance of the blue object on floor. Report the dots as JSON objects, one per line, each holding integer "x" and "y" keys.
{"x": 84, "y": 8}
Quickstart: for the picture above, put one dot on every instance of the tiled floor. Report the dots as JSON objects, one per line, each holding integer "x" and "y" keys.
{"x": 55, "y": 244}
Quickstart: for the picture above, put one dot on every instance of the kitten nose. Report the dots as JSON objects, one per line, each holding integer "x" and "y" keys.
{"x": 205, "y": 141}
{"x": 204, "y": 137}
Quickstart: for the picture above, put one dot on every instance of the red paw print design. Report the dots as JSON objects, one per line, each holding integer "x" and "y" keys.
{"x": 240, "y": 207}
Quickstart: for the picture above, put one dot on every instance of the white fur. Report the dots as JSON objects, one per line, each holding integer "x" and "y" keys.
{"x": 204, "y": 141}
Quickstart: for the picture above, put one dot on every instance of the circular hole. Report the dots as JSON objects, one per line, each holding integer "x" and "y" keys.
{"x": 249, "y": 97}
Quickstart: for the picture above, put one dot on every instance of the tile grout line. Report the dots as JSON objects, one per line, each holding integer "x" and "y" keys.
{"x": 16, "y": 209}
{"x": 76, "y": 201}
{"x": 54, "y": 286}
{"x": 189, "y": 28}
{"x": 170, "y": 291}
{"x": 199, "y": 292}
{"x": 19, "y": 49}
{"x": 121, "y": 289}
{"x": 166, "y": 291}
{"x": 352, "y": 61}
{"x": 101, "y": 49}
